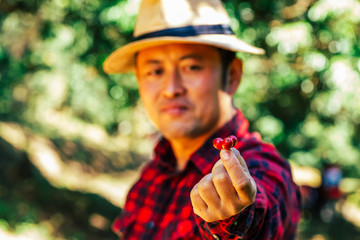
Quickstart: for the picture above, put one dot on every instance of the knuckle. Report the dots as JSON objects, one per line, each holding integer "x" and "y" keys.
{"x": 197, "y": 211}
{"x": 243, "y": 186}
{"x": 194, "y": 193}
{"x": 230, "y": 208}
{"x": 220, "y": 178}
{"x": 231, "y": 166}
{"x": 223, "y": 215}
{"x": 217, "y": 166}
{"x": 235, "y": 208}
{"x": 209, "y": 218}
{"x": 205, "y": 185}
{"x": 253, "y": 191}
{"x": 247, "y": 192}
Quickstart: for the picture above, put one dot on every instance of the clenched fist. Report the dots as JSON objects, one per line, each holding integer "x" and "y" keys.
{"x": 225, "y": 191}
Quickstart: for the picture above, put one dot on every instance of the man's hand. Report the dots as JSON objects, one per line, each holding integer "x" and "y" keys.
{"x": 225, "y": 191}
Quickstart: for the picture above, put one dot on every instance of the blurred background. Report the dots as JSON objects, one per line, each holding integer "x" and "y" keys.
{"x": 73, "y": 138}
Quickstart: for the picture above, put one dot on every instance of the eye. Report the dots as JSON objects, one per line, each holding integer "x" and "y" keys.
{"x": 155, "y": 72}
{"x": 193, "y": 67}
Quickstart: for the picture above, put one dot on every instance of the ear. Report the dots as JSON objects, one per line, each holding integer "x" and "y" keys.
{"x": 234, "y": 75}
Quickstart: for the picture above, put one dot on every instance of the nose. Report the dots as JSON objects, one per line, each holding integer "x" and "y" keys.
{"x": 173, "y": 86}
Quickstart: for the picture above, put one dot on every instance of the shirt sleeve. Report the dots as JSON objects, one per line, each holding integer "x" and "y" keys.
{"x": 276, "y": 209}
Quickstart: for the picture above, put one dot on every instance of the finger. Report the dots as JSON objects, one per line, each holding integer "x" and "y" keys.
{"x": 207, "y": 192}
{"x": 252, "y": 184}
{"x": 219, "y": 162}
{"x": 223, "y": 183}
{"x": 240, "y": 178}
{"x": 240, "y": 158}
{"x": 198, "y": 204}
{"x": 232, "y": 165}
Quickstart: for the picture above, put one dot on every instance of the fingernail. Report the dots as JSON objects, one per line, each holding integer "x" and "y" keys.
{"x": 225, "y": 154}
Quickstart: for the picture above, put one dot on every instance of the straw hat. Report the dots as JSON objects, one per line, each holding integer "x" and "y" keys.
{"x": 177, "y": 21}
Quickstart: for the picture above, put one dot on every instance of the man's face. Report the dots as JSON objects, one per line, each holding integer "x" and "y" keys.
{"x": 180, "y": 86}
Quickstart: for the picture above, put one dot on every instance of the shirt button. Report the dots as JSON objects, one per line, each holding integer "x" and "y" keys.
{"x": 150, "y": 225}
{"x": 216, "y": 237}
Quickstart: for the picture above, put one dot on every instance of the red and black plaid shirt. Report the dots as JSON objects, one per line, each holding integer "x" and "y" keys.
{"x": 158, "y": 206}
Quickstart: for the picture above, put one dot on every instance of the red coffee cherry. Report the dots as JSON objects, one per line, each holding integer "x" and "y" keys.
{"x": 218, "y": 142}
{"x": 228, "y": 143}
{"x": 234, "y": 140}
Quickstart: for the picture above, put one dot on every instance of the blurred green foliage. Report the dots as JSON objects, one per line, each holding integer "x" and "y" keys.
{"x": 303, "y": 95}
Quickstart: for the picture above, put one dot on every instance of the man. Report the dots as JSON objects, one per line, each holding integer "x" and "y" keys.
{"x": 184, "y": 59}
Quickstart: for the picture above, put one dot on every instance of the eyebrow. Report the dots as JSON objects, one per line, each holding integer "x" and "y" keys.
{"x": 191, "y": 55}
{"x": 152, "y": 61}
{"x": 188, "y": 56}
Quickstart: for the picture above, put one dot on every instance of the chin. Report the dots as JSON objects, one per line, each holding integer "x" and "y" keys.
{"x": 184, "y": 132}
{"x": 172, "y": 131}
{"x": 172, "y": 135}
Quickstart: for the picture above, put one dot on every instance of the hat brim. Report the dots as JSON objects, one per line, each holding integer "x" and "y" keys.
{"x": 122, "y": 60}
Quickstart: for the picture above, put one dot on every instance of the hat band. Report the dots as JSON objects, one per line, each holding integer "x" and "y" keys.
{"x": 188, "y": 31}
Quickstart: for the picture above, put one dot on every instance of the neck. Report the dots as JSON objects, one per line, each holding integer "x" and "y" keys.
{"x": 183, "y": 148}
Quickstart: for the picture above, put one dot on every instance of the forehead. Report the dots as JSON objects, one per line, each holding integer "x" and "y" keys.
{"x": 176, "y": 51}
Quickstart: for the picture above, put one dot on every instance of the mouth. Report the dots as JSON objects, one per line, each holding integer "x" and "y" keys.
{"x": 174, "y": 109}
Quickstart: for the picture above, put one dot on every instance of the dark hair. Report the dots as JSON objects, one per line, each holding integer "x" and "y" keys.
{"x": 226, "y": 57}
